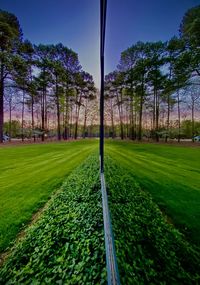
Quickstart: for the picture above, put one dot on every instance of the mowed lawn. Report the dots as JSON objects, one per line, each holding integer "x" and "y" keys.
{"x": 171, "y": 174}
{"x": 29, "y": 174}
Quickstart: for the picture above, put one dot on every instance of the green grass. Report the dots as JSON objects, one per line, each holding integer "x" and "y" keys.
{"x": 28, "y": 176}
{"x": 66, "y": 245}
{"x": 171, "y": 174}
{"x": 148, "y": 249}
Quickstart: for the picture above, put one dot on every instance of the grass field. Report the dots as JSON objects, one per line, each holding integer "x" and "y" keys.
{"x": 28, "y": 176}
{"x": 66, "y": 245}
{"x": 30, "y": 173}
{"x": 171, "y": 174}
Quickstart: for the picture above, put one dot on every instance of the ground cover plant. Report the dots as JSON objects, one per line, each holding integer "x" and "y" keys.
{"x": 171, "y": 174}
{"x": 66, "y": 246}
{"x": 28, "y": 176}
{"x": 149, "y": 250}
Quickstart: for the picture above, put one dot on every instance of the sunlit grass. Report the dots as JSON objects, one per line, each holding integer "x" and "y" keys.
{"x": 28, "y": 176}
{"x": 171, "y": 174}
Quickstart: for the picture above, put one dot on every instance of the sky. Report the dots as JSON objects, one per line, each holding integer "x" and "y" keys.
{"x": 75, "y": 23}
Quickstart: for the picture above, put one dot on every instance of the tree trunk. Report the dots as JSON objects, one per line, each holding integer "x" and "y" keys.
{"x": 66, "y": 121}
{"x": 10, "y": 118}
{"x": 22, "y": 124}
{"x": 85, "y": 120}
{"x": 132, "y": 131}
{"x": 76, "y": 124}
{"x": 179, "y": 117}
{"x": 127, "y": 123}
{"x": 120, "y": 118}
{"x": 32, "y": 116}
{"x": 140, "y": 119}
{"x": 154, "y": 109}
{"x": 71, "y": 121}
{"x": 135, "y": 124}
{"x": 168, "y": 116}
{"x": 1, "y": 103}
{"x": 77, "y": 117}
{"x": 58, "y": 111}
{"x": 157, "y": 116}
{"x": 43, "y": 111}
{"x": 193, "y": 121}
{"x": 168, "y": 104}
{"x": 112, "y": 118}
{"x": 122, "y": 123}
{"x": 140, "y": 111}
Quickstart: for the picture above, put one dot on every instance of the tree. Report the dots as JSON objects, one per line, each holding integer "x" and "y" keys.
{"x": 11, "y": 104}
{"x": 28, "y": 54}
{"x": 174, "y": 48}
{"x": 84, "y": 84}
{"x": 192, "y": 98}
{"x": 114, "y": 86}
{"x": 14, "y": 127}
{"x": 43, "y": 80}
{"x": 190, "y": 27}
{"x": 190, "y": 33}
{"x": 181, "y": 75}
{"x": 10, "y": 37}
{"x": 156, "y": 57}
{"x": 21, "y": 76}
{"x": 71, "y": 67}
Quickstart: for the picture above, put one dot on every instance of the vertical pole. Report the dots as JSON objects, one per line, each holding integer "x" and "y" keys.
{"x": 111, "y": 261}
{"x": 103, "y": 4}
{"x": 101, "y": 117}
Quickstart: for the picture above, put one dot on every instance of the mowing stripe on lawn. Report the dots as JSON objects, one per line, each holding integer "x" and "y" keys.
{"x": 29, "y": 174}
{"x": 149, "y": 250}
{"x": 171, "y": 174}
{"x": 66, "y": 246}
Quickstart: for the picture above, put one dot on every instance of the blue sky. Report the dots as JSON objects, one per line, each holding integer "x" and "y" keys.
{"x": 75, "y": 23}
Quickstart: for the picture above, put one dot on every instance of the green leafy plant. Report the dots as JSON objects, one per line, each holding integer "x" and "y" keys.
{"x": 66, "y": 246}
{"x": 149, "y": 250}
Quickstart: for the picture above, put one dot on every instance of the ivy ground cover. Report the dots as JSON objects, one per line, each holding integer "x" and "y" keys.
{"x": 149, "y": 250}
{"x": 66, "y": 246}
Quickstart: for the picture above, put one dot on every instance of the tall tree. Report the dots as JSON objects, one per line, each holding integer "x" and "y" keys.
{"x": 115, "y": 86}
{"x": 190, "y": 34}
{"x": 190, "y": 27}
{"x": 84, "y": 83}
{"x": 10, "y": 36}
{"x": 181, "y": 75}
{"x": 156, "y": 58}
{"x": 20, "y": 75}
{"x": 28, "y": 54}
{"x": 71, "y": 67}
{"x": 44, "y": 80}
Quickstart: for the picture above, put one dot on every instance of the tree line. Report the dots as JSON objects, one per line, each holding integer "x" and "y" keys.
{"x": 43, "y": 85}
{"x": 154, "y": 92}
{"x": 156, "y": 84}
